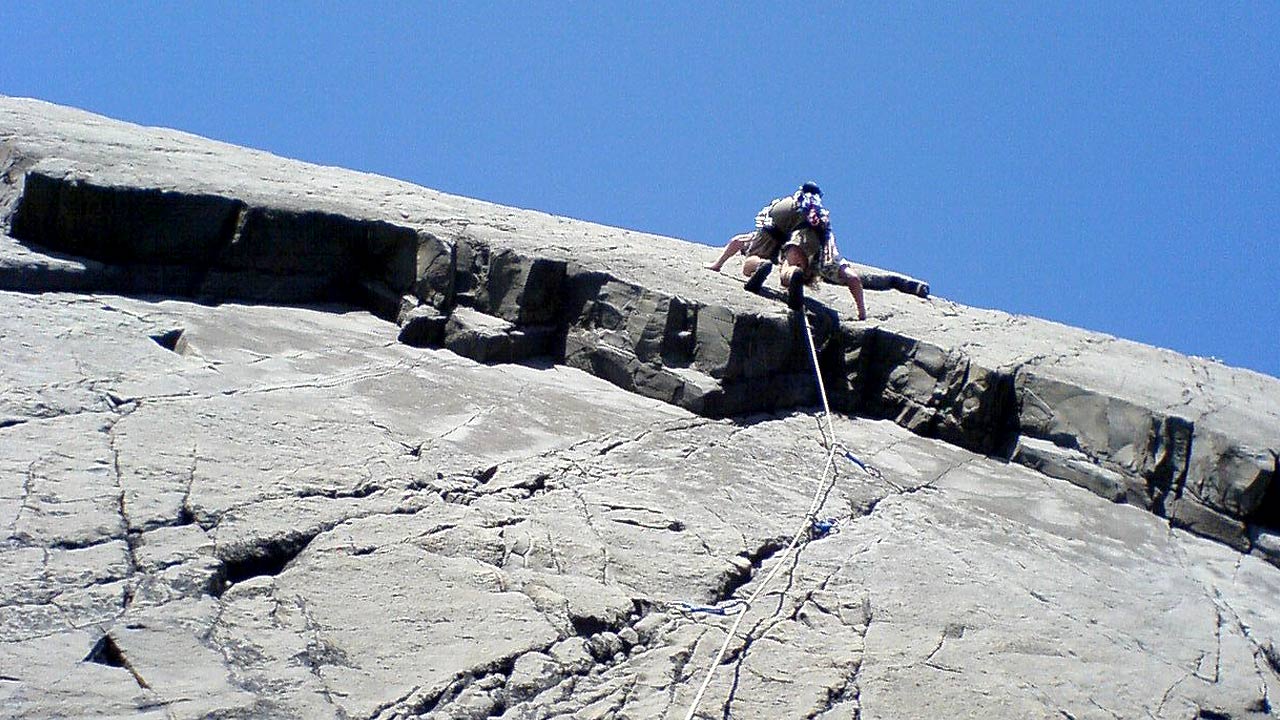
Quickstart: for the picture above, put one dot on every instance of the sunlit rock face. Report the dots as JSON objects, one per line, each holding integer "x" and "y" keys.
{"x": 280, "y": 440}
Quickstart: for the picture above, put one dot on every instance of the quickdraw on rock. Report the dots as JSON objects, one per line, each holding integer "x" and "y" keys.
{"x": 823, "y": 528}
{"x": 868, "y": 469}
{"x": 729, "y": 607}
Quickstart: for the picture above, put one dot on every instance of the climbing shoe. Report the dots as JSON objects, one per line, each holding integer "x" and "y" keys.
{"x": 795, "y": 293}
{"x": 758, "y": 277}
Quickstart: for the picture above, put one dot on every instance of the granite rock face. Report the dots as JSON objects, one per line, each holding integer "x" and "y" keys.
{"x": 282, "y": 440}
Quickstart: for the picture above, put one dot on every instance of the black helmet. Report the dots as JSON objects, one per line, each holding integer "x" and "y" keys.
{"x": 811, "y": 187}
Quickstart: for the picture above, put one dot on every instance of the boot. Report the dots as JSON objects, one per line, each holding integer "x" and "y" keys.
{"x": 795, "y": 293}
{"x": 758, "y": 277}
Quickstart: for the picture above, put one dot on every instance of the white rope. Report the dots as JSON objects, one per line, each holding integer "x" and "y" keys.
{"x": 819, "y": 498}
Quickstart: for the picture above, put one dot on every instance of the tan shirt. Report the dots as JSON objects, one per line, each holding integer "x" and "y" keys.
{"x": 780, "y": 217}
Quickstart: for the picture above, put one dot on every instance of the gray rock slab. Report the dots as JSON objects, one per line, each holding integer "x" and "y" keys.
{"x": 312, "y": 520}
{"x": 160, "y": 211}
{"x": 253, "y": 510}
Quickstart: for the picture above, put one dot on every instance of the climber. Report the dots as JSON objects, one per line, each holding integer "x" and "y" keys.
{"x": 794, "y": 229}
{"x": 801, "y": 223}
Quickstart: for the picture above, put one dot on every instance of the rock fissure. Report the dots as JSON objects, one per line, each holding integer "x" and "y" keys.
{"x": 361, "y": 490}
{"x": 414, "y": 450}
{"x": 680, "y": 660}
{"x": 609, "y": 644}
{"x": 1109, "y": 711}
{"x": 319, "y": 652}
{"x": 488, "y": 676}
{"x": 610, "y": 447}
{"x": 28, "y": 483}
{"x": 161, "y": 703}
{"x": 54, "y": 597}
{"x": 739, "y": 656}
{"x": 847, "y": 693}
{"x": 378, "y": 712}
{"x": 265, "y": 557}
{"x": 129, "y": 534}
{"x": 591, "y": 525}
{"x": 329, "y": 383}
{"x": 475, "y": 417}
{"x": 753, "y": 560}
{"x": 1265, "y": 658}
{"x": 39, "y": 412}
{"x": 106, "y": 652}
{"x": 1217, "y": 649}
{"x": 186, "y": 514}
{"x": 1260, "y": 650}
{"x": 210, "y": 522}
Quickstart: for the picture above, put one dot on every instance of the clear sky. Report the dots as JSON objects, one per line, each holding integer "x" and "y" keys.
{"x": 1110, "y": 165}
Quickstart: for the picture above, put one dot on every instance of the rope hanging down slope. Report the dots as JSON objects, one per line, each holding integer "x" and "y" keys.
{"x": 806, "y": 524}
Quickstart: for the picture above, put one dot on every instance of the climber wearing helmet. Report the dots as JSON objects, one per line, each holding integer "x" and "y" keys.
{"x": 797, "y": 229}
{"x": 803, "y": 247}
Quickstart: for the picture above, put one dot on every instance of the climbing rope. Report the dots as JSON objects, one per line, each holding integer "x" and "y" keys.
{"x": 810, "y": 528}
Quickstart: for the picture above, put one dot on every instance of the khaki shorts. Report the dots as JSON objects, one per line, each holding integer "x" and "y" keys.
{"x": 809, "y": 242}
{"x": 831, "y": 271}
{"x": 761, "y": 244}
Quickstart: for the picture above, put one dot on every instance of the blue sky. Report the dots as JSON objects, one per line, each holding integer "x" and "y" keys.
{"x": 1113, "y": 166}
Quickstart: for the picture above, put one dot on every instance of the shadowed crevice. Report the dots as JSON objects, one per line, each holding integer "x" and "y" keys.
{"x": 1267, "y": 514}
{"x": 268, "y": 557}
{"x": 107, "y": 652}
{"x": 172, "y": 340}
{"x": 144, "y": 241}
{"x": 734, "y": 582}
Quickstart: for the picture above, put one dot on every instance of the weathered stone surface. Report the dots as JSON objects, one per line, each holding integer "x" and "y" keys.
{"x": 266, "y": 511}
{"x": 930, "y": 390}
{"x": 422, "y": 326}
{"x": 358, "y": 528}
{"x": 1076, "y": 468}
{"x": 486, "y": 338}
{"x": 230, "y": 223}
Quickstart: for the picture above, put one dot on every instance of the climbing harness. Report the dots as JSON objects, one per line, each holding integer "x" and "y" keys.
{"x": 808, "y": 529}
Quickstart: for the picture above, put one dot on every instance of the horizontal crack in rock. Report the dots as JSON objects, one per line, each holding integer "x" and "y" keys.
{"x": 735, "y": 581}
{"x": 363, "y": 490}
{"x": 672, "y": 526}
